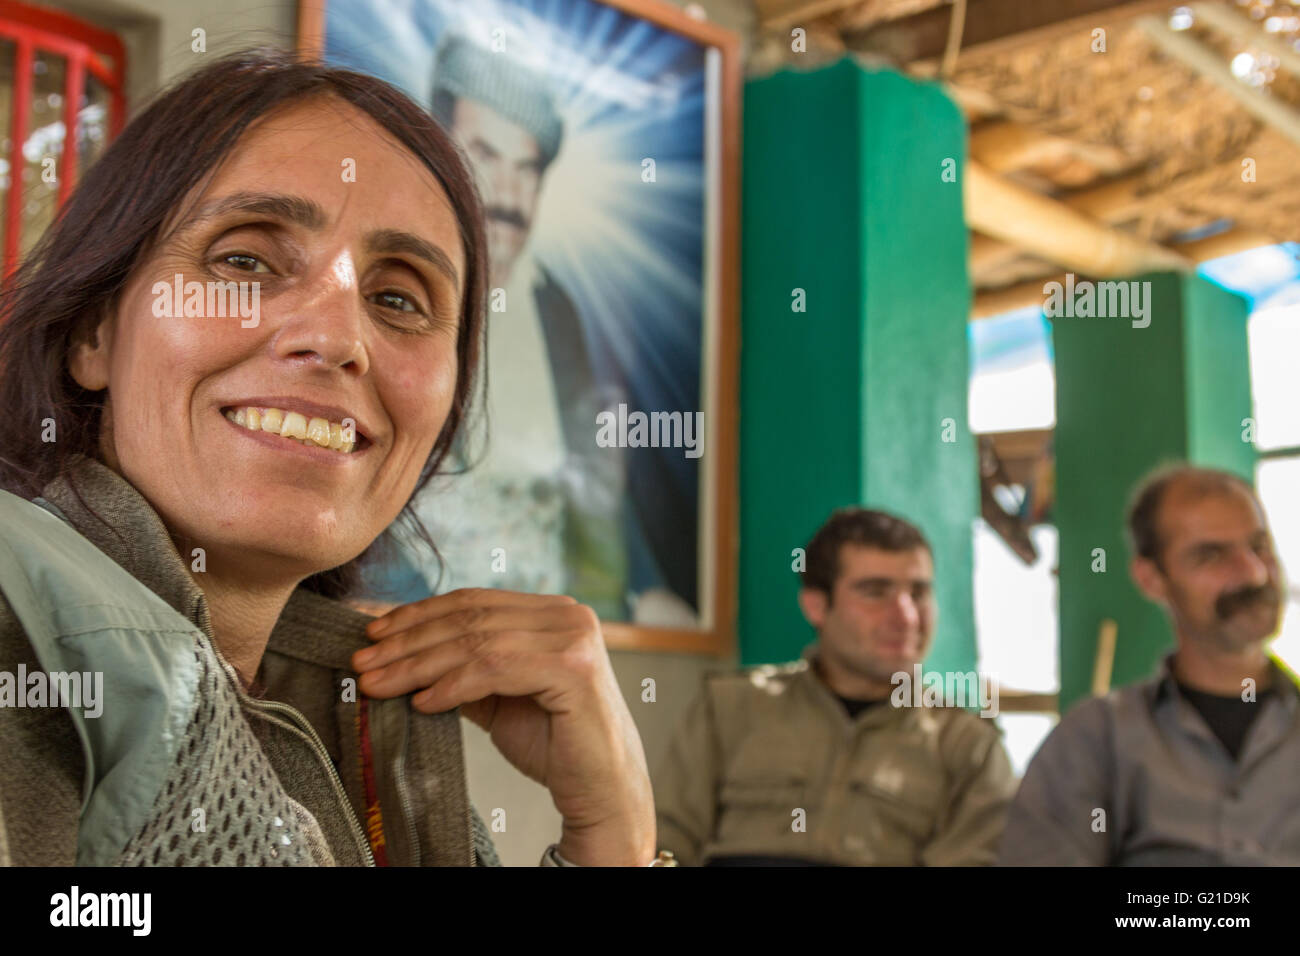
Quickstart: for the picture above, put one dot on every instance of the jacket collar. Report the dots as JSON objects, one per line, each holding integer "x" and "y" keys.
{"x": 108, "y": 510}
{"x": 806, "y": 673}
{"x": 1283, "y": 686}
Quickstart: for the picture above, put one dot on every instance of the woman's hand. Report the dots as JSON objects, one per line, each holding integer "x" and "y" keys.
{"x": 531, "y": 670}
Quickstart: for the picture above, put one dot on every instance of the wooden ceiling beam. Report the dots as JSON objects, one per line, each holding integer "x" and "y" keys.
{"x": 1019, "y": 296}
{"x": 1226, "y": 243}
{"x": 988, "y": 253}
{"x": 1053, "y": 231}
{"x": 1231, "y": 24}
{"x": 924, "y": 36}
{"x": 1111, "y": 202}
{"x": 1209, "y": 64}
{"x": 1024, "y": 294}
{"x": 778, "y": 14}
{"x": 1004, "y": 146}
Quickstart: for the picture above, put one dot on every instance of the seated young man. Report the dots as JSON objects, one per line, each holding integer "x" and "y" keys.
{"x": 813, "y": 762}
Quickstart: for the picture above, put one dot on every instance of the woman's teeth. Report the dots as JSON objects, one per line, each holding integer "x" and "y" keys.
{"x": 316, "y": 432}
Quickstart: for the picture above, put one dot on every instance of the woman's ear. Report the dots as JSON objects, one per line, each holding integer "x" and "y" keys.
{"x": 88, "y": 359}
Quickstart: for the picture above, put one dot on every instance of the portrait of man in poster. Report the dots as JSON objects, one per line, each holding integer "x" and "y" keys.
{"x": 585, "y": 307}
{"x": 543, "y": 490}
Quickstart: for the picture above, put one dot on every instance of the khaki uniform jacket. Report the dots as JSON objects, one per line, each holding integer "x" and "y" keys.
{"x": 894, "y": 787}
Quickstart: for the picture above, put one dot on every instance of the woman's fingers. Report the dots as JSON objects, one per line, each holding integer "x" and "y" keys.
{"x": 461, "y": 599}
{"x": 521, "y": 657}
{"x": 481, "y": 677}
{"x": 562, "y": 673}
{"x": 468, "y": 622}
{"x": 532, "y": 670}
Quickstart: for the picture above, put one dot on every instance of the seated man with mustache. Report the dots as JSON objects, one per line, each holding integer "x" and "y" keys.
{"x": 1197, "y": 766}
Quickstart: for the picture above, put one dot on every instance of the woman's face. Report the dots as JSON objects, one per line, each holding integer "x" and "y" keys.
{"x": 359, "y": 268}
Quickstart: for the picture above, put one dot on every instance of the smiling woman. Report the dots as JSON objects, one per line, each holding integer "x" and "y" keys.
{"x": 189, "y": 495}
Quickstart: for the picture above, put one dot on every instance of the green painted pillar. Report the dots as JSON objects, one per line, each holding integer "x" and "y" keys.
{"x": 1129, "y": 400}
{"x": 844, "y": 403}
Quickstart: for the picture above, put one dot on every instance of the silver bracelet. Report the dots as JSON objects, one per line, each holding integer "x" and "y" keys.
{"x": 552, "y": 858}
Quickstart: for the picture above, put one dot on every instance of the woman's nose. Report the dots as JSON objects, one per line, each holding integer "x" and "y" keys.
{"x": 328, "y": 322}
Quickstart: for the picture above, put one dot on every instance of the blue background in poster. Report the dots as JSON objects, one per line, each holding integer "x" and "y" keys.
{"x": 630, "y": 254}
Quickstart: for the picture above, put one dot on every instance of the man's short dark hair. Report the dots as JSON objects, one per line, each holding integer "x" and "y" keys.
{"x": 1144, "y": 509}
{"x": 859, "y": 526}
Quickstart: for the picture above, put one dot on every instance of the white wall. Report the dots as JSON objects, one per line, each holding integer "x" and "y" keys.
{"x": 158, "y": 33}
{"x": 531, "y": 822}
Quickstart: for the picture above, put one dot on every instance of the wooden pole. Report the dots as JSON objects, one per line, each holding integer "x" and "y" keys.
{"x": 1208, "y": 64}
{"x": 1024, "y": 294}
{"x": 1105, "y": 660}
{"x": 1053, "y": 231}
{"x": 1245, "y": 31}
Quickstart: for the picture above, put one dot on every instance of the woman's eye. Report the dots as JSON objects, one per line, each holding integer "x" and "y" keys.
{"x": 395, "y": 300}
{"x": 244, "y": 262}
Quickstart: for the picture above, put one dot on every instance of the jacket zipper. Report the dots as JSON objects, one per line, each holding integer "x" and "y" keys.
{"x": 403, "y": 792}
{"x": 308, "y": 732}
{"x": 403, "y": 795}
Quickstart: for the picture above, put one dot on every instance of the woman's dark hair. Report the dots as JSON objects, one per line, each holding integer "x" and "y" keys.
{"x": 77, "y": 270}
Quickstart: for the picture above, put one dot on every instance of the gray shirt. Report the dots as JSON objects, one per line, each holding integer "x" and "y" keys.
{"x": 1137, "y": 778}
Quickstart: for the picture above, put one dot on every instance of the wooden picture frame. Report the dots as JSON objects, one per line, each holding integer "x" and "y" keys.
{"x": 717, "y": 553}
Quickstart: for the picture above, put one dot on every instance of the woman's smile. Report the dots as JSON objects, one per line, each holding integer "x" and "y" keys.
{"x": 304, "y": 422}
{"x": 273, "y": 429}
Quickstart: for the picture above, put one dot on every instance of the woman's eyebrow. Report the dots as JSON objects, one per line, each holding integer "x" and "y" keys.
{"x": 292, "y": 209}
{"x": 309, "y": 214}
{"x": 394, "y": 241}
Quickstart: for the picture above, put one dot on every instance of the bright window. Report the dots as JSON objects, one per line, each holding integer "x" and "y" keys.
{"x": 1270, "y": 276}
{"x": 1013, "y": 389}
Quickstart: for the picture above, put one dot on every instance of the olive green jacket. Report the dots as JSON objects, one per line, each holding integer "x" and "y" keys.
{"x": 767, "y": 762}
{"x": 78, "y": 790}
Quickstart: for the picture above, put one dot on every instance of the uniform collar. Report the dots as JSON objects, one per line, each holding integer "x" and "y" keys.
{"x": 806, "y": 673}
{"x": 108, "y": 510}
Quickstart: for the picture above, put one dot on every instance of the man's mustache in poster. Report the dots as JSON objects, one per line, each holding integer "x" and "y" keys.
{"x": 511, "y": 217}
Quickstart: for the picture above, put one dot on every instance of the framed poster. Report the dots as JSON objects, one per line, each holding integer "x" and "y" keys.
{"x": 603, "y": 137}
